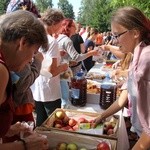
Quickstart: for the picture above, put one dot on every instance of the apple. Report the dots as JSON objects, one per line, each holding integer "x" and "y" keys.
{"x": 65, "y": 128}
{"x": 68, "y": 128}
{"x": 58, "y": 121}
{"x": 76, "y": 127}
{"x": 82, "y": 148}
{"x": 72, "y": 146}
{"x": 66, "y": 119}
{"x": 62, "y": 146}
{"x": 110, "y": 131}
{"x": 58, "y": 125}
{"x": 72, "y": 122}
{"x": 109, "y": 126}
{"x": 71, "y": 129}
{"x": 103, "y": 146}
{"x": 91, "y": 121}
{"x": 82, "y": 120}
{"x": 60, "y": 114}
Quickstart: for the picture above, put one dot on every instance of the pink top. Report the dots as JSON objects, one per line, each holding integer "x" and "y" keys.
{"x": 141, "y": 72}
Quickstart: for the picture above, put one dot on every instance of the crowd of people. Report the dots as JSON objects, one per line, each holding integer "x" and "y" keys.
{"x": 29, "y": 39}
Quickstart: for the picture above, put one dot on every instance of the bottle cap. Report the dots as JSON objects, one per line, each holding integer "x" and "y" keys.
{"x": 80, "y": 74}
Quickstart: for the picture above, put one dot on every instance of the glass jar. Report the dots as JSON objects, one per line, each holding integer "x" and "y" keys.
{"x": 79, "y": 89}
{"x": 108, "y": 92}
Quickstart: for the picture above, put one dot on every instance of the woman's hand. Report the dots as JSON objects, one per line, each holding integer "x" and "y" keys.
{"x": 105, "y": 47}
{"x": 116, "y": 64}
{"x": 98, "y": 120}
{"x": 95, "y": 52}
{"x": 36, "y": 141}
{"x": 64, "y": 66}
{"x": 62, "y": 53}
{"x": 16, "y": 129}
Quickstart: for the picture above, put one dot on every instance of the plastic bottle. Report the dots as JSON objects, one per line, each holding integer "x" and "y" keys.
{"x": 108, "y": 92}
{"x": 79, "y": 89}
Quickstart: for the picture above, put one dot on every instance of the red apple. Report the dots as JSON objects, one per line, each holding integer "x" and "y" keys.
{"x": 76, "y": 127}
{"x": 64, "y": 128}
{"x": 72, "y": 122}
{"x": 82, "y": 120}
{"x": 58, "y": 121}
{"x": 110, "y": 131}
{"x": 66, "y": 120}
{"x": 109, "y": 126}
{"x": 69, "y": 128}
{"x": 103, "y": 146}
{"x": 91, "y": 121}
{"x": 58, "y": 125}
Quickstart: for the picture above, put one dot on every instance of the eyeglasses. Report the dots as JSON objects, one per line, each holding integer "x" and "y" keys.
{"x": 118, "y": 35}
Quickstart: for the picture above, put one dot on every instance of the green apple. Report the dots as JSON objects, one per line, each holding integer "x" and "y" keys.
{"x": 82, "y": 148}
{"x": 72, "y": 146}
{"x": 60, "y": 114}
{"x": 62, "y": 146}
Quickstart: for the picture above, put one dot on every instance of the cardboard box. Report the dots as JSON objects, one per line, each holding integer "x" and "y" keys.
{"x": 82, "y": 141}
{"x": 48, "y": 125}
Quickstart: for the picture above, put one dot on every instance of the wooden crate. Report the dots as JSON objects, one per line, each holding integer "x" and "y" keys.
{"x": 48, "y": 124}
{"x": 90, "y": 143}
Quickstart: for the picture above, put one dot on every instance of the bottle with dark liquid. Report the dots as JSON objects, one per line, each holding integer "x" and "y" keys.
{"x": 108, "y": 92}
{"x": 79, "y": 89}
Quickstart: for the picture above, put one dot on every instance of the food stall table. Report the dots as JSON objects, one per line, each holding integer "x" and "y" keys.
{"x": 93, "y": 106}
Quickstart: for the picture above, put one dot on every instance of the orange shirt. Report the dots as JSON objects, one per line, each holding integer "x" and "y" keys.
{"x": 24, "y": 109}
{"x": 99, "y": 39}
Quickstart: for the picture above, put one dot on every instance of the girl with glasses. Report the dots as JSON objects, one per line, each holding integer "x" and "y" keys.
{"x": 132, "y": 29}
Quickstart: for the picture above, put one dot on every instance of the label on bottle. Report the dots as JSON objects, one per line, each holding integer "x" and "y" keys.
{"x": 75, "y": 93}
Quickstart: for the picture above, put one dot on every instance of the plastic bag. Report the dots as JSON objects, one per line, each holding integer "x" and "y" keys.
{"x": 99, "y": 58}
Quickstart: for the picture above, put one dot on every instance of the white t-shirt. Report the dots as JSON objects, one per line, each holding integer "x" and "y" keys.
{"x": 48, "y": 89}
{"x": 84, "y": 36}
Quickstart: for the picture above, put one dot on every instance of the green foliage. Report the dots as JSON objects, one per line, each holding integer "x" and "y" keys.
{"x": 143, "y": 5}
{"x": 96, "y": 13}
{"x": 42, "y": 5}
{"x": 67, "y": 8}
{"x": 3, "y": 6}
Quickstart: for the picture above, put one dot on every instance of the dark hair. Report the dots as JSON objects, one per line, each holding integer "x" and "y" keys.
{"x": 21, "y": 23}
{"x": 93, "y": 31}
{"x": 133, "y": 18}
{"x": 52, "y": 16}
{"x": 66, "y": 25}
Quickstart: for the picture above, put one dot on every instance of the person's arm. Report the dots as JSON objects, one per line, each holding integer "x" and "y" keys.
{"x": 120, "y": 73}
{"x": 68, "y": 46}
{"x": 29, "y": 73}
{"x": 34, "y": 141}
{"x": 4, "y": 76}
{"x": 143, "y": 143}
{"x": 56, "y": 69}
{"x": 82, "y": 47}
{"x": 115, "y": 107}
{"x": 114, "y": 50}
{"x": 18, "y": 145}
